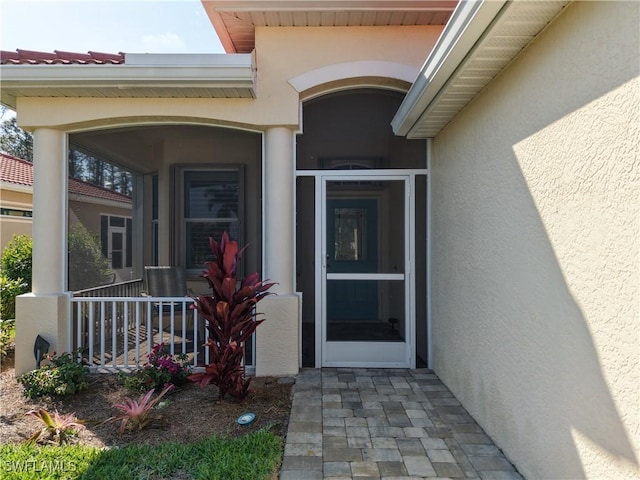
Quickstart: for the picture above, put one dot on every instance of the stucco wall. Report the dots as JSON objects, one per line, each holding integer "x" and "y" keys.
{"x": 21, "y": 199}
{"x": 282, "y": 54}
{"x": 536, "y": 225}
{"x": 286, "y": 63}
{"x": 10, "y": 226}
{"x": 88, "y": 214}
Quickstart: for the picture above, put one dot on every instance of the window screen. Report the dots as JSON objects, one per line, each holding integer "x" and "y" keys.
{"x": 211, "y": 207}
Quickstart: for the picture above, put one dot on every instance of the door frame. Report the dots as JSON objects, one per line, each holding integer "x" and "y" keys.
{"x": 320, "y": 178}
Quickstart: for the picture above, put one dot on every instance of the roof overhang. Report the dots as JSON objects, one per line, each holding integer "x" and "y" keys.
{"x": 480, "y": 40}
{"x": 141, "y": 75}
{"x": 15, "y": 187}
{"x": 78, "y": 197}
{"x": 235, "y": 21}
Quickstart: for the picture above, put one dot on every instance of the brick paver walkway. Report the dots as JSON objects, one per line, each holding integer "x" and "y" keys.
{"x": 384, "y": 424}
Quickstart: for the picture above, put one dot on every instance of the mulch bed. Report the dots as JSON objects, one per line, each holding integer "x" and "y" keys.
{"x": 192, "y": 413}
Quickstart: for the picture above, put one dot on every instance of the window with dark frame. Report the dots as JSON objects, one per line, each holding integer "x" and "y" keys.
{"x": 211, "y": 206}
{"x": 212, "y": 203}
{"x": 16, "y": 212}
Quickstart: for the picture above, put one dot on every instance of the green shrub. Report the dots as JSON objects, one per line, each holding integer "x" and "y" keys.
{"x": 16, "y": 259}
{"x": 10, "y": 288}
{"x": 87, "y": 267}
{"x": 161, "y": 370}
{"x": 59, "y": 376}
{"x": 7, "y": 332}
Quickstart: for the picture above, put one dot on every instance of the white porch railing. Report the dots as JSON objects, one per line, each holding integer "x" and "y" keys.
{"x": 130, "y": 288}
{"x": 118, "y": 332}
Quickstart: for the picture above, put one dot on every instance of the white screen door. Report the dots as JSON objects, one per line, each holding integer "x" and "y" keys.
{"x": 365, "y": 277}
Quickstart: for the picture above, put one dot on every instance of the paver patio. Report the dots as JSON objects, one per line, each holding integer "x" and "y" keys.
{"x": 384, "y": 424}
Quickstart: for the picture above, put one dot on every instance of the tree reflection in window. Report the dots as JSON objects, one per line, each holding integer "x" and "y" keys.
{"x": 350, "y": 234}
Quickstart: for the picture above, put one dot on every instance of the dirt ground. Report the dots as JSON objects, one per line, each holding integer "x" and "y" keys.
{"x": 191, "y": 413}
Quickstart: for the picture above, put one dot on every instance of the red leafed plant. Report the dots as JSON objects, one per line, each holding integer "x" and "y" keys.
{"x": 136, "y": 414}
{"x": 57, "y": 427}
{"x": 231, "y": 318}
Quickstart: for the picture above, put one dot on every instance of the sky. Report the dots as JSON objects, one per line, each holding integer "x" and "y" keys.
{"x": 109, "y": 26}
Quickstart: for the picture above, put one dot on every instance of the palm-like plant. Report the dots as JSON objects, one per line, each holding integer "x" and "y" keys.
{"x": 57, "y": 428}
{"x": 136, "y": 414}
{"x": 231, "y": 318}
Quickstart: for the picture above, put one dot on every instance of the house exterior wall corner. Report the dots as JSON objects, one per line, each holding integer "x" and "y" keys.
{"x": 536, "y": 306}
{"x": 44, "y": 315}
{"x": 277, "y": 339}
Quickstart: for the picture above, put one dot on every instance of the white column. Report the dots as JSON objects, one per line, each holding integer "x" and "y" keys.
{"x": 49, "y": 211}
{"x": 279, "y": 208}
{"x": 277, "y": 340}
{"x": 44, "y": 311}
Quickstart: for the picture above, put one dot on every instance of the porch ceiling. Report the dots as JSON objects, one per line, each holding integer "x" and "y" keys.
{"x": 140, "y": 75}
{"x": 132, "y": 147}
{"x": 235, "y": 20}
{"x": 480, "y": 40}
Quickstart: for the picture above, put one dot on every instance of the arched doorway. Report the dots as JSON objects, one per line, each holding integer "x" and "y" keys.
{"x": 361, "y": 233}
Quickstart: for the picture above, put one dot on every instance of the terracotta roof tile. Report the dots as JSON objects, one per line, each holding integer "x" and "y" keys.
{"x": 31, "y": 57}
{"x": 89, "y": 190}
{"x": 15, "y": 170}
{"x": 20, "y": 172}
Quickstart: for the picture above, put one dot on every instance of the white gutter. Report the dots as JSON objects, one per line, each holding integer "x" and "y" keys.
{"x": 139, "y": 71}
{"x": 465, "y": 28}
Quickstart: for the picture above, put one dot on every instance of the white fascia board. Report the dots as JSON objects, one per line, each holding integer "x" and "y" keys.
{"x": 16, "y": 187}
{"x": 467, "y": 25}
{"x": 143, "y": 70}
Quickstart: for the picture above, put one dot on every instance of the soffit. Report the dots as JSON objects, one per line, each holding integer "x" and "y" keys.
{"x": 235, "y": 20}
{"x": 506, "y": 36}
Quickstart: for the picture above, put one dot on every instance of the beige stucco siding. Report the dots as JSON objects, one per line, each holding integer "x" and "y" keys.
{"x": 282, "y": 54}
{"x": 286, "y": 53}
{"x": 536, "y": 227}
{"x": 12, "y": 226}
{"x": 88, "y": 214}
{"x": 16, "y": 198}
{"x": 9, "y": 225}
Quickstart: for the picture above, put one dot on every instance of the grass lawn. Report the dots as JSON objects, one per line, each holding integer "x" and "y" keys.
{"x": 254, "y": 456}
